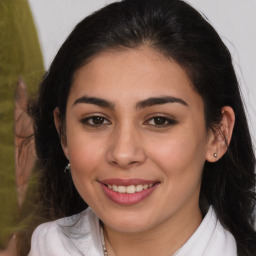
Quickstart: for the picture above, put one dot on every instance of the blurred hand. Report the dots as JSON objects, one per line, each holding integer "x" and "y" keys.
{"x": 24, "y": 141}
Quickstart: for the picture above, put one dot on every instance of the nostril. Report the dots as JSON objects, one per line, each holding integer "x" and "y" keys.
{"x": 124, "y": 164}
{"x": 113, "y": 162}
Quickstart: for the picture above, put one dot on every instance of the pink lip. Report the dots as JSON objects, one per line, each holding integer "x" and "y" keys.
{"x": 127, "y": 182}
{"x": 127, "y": 199}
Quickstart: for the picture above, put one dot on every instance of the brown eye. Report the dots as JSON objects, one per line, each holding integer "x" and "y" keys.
{"x": 160, "y": 121}
{"x": 95, "y": 121}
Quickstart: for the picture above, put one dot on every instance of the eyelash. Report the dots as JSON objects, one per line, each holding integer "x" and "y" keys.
{"x": 87, "y": 120}
{"x": 165, "y": 121}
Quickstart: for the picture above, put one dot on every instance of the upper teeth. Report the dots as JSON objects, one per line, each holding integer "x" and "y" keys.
{"x": 129, "y": 189}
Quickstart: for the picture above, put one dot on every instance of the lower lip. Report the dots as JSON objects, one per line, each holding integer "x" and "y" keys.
{"x": 125, "y": 198}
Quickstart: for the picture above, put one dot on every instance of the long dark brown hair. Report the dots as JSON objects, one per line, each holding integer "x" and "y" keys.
{"x": 179, "y": 32}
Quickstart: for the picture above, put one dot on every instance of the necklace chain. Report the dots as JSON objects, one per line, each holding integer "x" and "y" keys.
{"x": 105, "y": 248}
{"x": 103, "y": 242}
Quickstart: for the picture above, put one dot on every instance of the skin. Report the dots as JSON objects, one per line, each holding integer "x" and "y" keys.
{"x": 130, "y": 143}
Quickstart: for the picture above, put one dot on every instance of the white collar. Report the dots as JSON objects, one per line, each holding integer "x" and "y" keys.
{"x": 210, "y": 239}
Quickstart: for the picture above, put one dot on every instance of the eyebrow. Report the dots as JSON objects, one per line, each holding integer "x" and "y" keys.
{"x": 96, "y": 101}
{"x": 142, "y": 104}
{"x": 159, "y": 101}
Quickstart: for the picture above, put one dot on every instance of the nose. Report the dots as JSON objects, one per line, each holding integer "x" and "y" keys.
{"x": 126, "y": 148}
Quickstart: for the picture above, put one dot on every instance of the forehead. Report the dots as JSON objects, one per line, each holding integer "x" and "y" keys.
{"x": 140, "y": 73}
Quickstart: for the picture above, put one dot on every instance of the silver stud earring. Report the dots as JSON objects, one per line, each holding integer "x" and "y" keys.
{"x": 215, "y": 155}
{"x": 67, "y": 168}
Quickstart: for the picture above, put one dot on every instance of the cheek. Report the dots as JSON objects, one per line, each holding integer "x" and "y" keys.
{"x": 180, "y": 154}
{"x": 181, "y": 160}
{"x": 86, "y": 156}
{"x": 85, "y": 153}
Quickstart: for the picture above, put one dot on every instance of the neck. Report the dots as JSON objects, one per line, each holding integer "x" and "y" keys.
{"x": 163, "y": 240}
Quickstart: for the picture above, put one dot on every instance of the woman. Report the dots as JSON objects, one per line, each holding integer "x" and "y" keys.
{"x": 140, "y": 118}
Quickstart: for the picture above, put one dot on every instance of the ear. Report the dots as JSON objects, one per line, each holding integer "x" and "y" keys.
{"x": 57, "y": 122}
{"x": 220, "y": 135}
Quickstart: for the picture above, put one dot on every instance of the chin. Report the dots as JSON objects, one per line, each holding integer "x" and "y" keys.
{"x": 128, "y": 222}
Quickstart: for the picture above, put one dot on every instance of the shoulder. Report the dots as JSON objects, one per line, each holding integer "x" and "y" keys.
{"x": 222, "y": 241}
{"x": 44, "y": 239}
{"x": 66, "y": 236}
{"x": 210, "y": 239}
{"x": 44, "y": 229}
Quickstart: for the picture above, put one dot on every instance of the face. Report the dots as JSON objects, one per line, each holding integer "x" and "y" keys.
{"x": 136, "y": 139}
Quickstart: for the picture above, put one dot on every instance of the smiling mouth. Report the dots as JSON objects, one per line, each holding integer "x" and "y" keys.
{"x": 128, "y": 191}
{"x": 131, "y": 189}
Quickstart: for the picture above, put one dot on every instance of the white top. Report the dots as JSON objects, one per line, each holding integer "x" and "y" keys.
{"x": 80, "y": 235}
